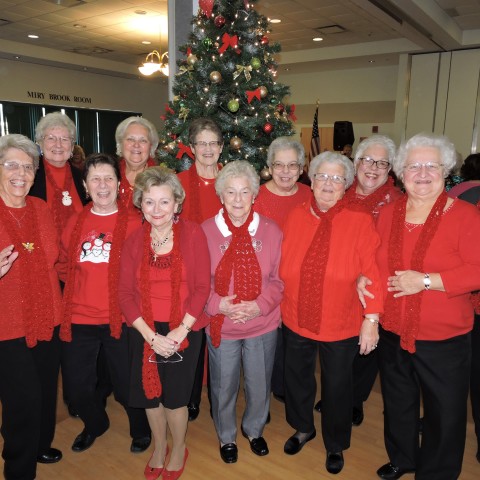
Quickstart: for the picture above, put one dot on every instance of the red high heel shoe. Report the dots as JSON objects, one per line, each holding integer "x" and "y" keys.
{"x": 152, "y": 473}
{"x": 175, "y": 474}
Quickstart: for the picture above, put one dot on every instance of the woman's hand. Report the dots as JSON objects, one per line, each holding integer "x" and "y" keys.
{"x": 362, "y": 283}
{"x": 368, "y": 339}
{"x": 178, "y": 334}
{"x": 250, "y": 309}
{"x": 7, "y": 257}
{"x": 230, "y": 309}
{"x": 406, "y": 282}
{"x": 164, "y": 346}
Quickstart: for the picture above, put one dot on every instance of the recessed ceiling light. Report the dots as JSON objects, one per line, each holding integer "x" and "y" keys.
{"x": 317, "y": 39}
{"x": 33, "y": 36}
{"x": 274, "y": 20}
{"x": 79, "y": 25}
{"x": 140, "y": 12}
{"x": 371, "y": 61}
{"x": 146, "y": 42}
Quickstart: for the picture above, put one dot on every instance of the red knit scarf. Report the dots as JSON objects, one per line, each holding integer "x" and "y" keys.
{"x": 241, "y": 261}
{"x": 313, "y": 269}
{"x": 150, "y": 378}
{"x": 35, "y": 289}
{"x": 369, "y": 203}
{"x": 118, "y": 238}
{"x": 411, "y": 316}
{"x": 125, "y": 190}
{"x": 61, "y": 213}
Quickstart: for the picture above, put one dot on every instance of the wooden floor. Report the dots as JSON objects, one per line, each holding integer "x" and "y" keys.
{"x": 110, "y": 458}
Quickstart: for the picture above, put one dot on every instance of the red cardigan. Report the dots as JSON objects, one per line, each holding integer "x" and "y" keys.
{"x": 196, "y": 261}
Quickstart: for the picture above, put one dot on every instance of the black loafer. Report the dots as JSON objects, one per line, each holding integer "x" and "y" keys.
{"x": 357, "y": 416}
{"x": 318, "y": 407}
{"x": 229, "y": 453}
{"x": 334, "y": 463}
{"x": 83, "y": 441}
{"x": 52, "y": 455}
{"x": 258, "y": 445}
{"x": 140, "y": 444}
{"x": 293, "y": 445}
{"x": 193, "y": 411}
{"x": 391, "y": 472}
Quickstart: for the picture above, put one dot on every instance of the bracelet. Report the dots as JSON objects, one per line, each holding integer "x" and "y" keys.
{"x": 372, "y": 320}
{"x": 188, "y": 329}
{"x": 427, "y": 281}
{"x": 156, "y": 334}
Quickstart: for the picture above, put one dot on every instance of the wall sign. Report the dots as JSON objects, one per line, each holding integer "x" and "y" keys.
{"x": 59, "y": 97}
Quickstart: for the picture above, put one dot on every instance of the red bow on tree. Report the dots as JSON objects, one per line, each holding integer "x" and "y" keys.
{"x": 229, "y": 41}
{"x": 291, "y": 113}
{"x": 251, "y": 94}
{"x": 184, "y": 149}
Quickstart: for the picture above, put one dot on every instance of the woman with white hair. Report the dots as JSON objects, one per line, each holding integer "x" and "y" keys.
{"x": 428, "y": 265}
{"x": 326, "y": 247}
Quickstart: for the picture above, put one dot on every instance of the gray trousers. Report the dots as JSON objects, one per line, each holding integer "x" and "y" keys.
{"x": 256, "y": 355}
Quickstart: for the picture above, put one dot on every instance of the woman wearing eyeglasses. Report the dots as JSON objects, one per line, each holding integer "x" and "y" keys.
{"x": 164, "y": 285}
{"x": 201, "y": 202}
{"x": 29, "y": 316}
{"x": 276, "y": 198}
{"x": 57, "y": 181}
{"x": 326, "y": 246}
{"x": 429, "y": 264}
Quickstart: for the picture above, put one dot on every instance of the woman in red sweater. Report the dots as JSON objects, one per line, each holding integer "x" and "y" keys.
{"x": 326, "y": 247}
{"x": 429, "y": 265}
{"x": 164, "y": 285}
{"x": 30, "y": 314}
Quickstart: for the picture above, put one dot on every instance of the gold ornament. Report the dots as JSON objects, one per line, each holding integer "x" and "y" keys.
{"x": 265, "y": 174}
{"x": 215, "y": 77}
{"x": 192, "y": 59}
{"x": 245, "y": 69}
{"x": 183, "y": 114}
{"x": 170, "y": 147}
{"x": 263, "y": 91}
{"x": 236, "y": 143}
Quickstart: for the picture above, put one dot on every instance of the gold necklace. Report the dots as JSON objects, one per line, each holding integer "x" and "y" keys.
{"x": 160, "y": 243}
{"x": 16, "y": 219}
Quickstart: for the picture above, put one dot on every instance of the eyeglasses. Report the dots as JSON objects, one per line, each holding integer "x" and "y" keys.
{"x": 323, "y": 177}
{"x": 207, "y": 144}
{"x": 380, "y": 164}
{"x": 13, "y": 166}
{"x": 142, "y": 141}
{"x": 53, "y": 139}
{"x": 175, "y": 358}
{"x": 280, "y": 167}
{"x": 429, "y": 167}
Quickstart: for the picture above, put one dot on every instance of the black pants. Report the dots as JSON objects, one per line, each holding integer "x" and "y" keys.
{"x": 365, "y": 369}
{"x": 278, "y": 374}
{"x": 79, "y": 361}
{"x": 28, "y": 392}
{"x": 196, "y": 396}
{"x": 475, "y": 377}
{"x": 336, "y": 359}
{"x": 439, "y": 371}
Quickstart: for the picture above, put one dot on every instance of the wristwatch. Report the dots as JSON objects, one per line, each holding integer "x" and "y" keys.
{"x": 427, "y": 281}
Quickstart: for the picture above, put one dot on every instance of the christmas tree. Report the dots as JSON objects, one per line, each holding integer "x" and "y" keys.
{"x": 228, "y": 74}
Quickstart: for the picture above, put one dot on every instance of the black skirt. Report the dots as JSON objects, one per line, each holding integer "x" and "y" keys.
{"x": 176, "y": 378}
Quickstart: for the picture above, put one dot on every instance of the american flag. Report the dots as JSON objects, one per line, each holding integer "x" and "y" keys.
{"x": 315, "y": 142}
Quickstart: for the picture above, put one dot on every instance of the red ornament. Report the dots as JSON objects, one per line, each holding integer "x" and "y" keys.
{"x": 219, "y": 21}
{"x": 267, "y": 128}
{"x": 264, "y": 40}
{"x": 280, "y": 108}
{"x": 206, "y": 6}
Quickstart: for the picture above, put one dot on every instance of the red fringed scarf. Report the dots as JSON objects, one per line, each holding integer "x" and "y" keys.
{"x": 118, "y": 237}
{"x": 35, "y": 289}
{"x": 241, "y": 261}
{"x": 370, "y": 203}
{"x": 61, "y": 213}
{"x": 125, "y": 190}
{"x": 393, "y": 311}
{"x": 313, "y": 269}
{"x": 151, "y": 381}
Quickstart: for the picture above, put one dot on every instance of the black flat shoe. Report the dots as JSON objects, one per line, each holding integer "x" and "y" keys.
{"x": 391, "y": 472}
{"x": 318, "y": 407}
{"x": 52, "y": 455}
{"x": 193, "y": 411}
{"x": 258, "y": 445}
{"x": 334, "y": 463}
{"x": 83, "y": 441}
{"x": 229, "y": 453}
{"x": 293, "y": 445}
{"x": 357, "y": 416}
{"x": 140, "y": 444}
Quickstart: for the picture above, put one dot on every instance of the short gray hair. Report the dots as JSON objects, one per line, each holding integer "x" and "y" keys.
{"x": 124, "y": 124}
{"x": 380, "y": 140}
{"x": 335, "y": 158}
{"x": 156, "y": 177}
{"x": 20, "y": 142}
{"x": 237, "y": 168}
{"x": 446, "y": 148}
{"x": 286, "y": 143}
{"x": 53, "y": 120}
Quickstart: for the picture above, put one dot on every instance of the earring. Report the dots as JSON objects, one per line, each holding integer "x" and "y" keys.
{"x": 87, "y": 195}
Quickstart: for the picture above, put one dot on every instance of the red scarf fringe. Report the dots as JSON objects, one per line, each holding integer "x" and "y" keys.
{"x": 150, "y": 378}
{"x": 35, "y": 288}
{"x": 411, "y": 318}
{"x": 313, "y": 269}
{"x": 241, "y": 261}
{"x": 118, "y": 238}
